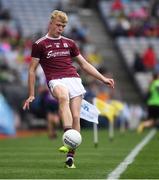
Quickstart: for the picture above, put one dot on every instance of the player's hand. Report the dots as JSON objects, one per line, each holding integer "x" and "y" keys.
{"x": 27, "y": 102}
{"x": 109, "y": 82}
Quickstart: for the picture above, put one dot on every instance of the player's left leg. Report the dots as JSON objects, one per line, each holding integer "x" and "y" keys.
{"x": 75, "y": 106}
{"x": 76, "y": 91}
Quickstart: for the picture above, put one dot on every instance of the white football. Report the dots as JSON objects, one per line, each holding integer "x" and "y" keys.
{"x": 72, "y": 139}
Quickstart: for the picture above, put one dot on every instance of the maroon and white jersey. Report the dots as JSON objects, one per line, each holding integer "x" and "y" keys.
{"x": 55, "y": 56}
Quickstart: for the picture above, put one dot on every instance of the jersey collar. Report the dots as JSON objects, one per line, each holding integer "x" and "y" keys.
{"x": 52, "y": 37}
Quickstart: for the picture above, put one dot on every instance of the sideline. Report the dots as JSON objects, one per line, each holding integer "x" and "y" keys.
{"x": 23, "y": 133}
{"x": 115, "y": 174}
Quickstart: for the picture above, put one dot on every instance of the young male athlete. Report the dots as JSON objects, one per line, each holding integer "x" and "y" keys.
{"x": 55, "y": 53}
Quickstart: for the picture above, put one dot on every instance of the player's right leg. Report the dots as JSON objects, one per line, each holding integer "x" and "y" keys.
{"x": 61, "y": 93}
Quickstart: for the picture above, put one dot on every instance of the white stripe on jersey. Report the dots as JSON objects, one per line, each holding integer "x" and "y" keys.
{"x": 41, "y": 39}
{"x": 67, "y": 38}
{"x": 36, "y": 58}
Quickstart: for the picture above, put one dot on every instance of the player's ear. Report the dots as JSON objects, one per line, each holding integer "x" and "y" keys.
{"x": 51, "y": 21}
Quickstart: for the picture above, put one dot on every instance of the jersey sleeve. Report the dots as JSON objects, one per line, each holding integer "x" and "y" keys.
{"x": 36, "y": 51}
{"x": 74, "y": 50}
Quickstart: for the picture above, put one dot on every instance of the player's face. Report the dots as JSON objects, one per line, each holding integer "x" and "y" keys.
{"x": 57, "y": 27}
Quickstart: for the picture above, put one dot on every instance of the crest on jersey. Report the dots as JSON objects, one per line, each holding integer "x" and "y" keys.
{"x": 57, "y": 45}
{"x": 65, "y": 45}
{"x": 48, "y": 46}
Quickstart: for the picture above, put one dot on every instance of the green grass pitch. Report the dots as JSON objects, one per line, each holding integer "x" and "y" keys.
{"x": 38, "y": 157}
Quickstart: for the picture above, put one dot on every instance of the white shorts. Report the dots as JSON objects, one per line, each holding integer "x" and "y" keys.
{"x": 73, "y": 84}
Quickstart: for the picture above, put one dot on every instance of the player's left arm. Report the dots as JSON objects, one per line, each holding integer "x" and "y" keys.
{"x": 87, "y": 67}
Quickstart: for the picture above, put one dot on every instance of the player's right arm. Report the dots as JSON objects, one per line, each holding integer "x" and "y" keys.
{"x": 31, "y": 82}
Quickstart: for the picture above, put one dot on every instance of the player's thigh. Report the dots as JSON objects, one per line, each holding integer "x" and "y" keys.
{"x": 75, "y": 106}
{"x": 60, "y": 92}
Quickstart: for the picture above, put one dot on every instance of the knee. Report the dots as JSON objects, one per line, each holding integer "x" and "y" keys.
{"x": 63, "y": 99}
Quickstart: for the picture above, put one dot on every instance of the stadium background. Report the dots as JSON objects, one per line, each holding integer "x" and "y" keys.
{"x": 109, "y": 34}
{"x": 114, "y": 36}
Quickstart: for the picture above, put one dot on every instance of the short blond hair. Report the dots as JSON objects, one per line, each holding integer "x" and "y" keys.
{"x": 62, "y": 15}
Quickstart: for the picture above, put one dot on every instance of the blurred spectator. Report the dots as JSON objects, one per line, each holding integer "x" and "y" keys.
{"x": 91, "y": 92}
{"x": 44, "y": 106}
{"x": 138, "y": 65}
{"x": 149, "y": 59}
{"x": 152, "y": 105}
{"x": 117, "y": 6}
{"x": 122, "y": 27}
{"x": 141, "y": 13}
{"x": 155, "y": 8}
{"x": 131, "y": 18}
{"x": 94, "y": 57}
{"x": 52, "y": 115}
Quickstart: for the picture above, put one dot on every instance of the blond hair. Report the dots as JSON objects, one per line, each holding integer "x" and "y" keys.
{"x": 62, "y": 15}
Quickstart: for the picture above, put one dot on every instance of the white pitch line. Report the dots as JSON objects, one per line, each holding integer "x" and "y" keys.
{"x": 131, "y": 156}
